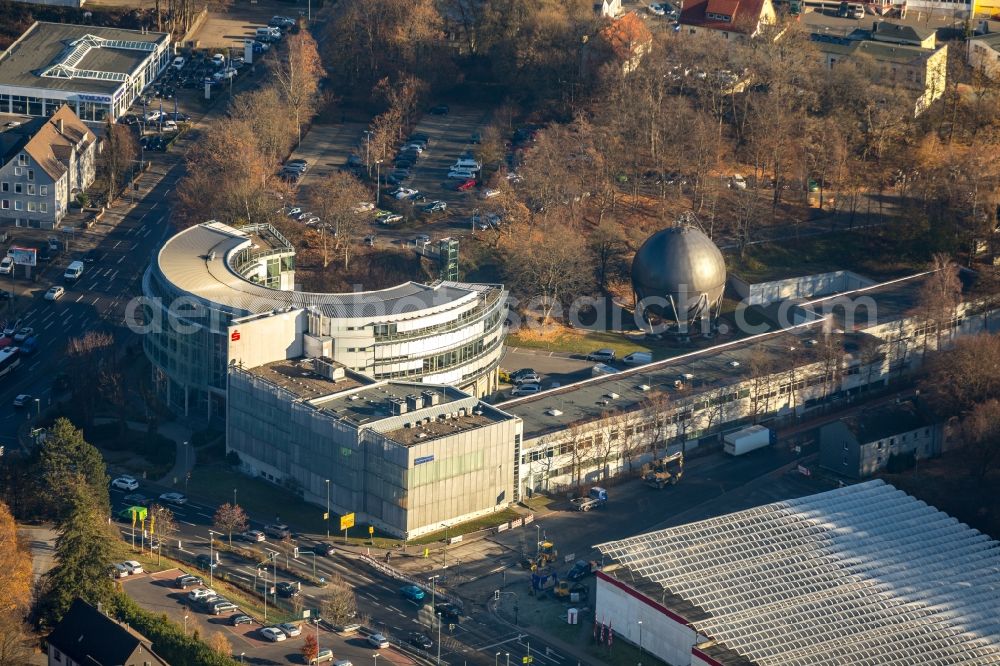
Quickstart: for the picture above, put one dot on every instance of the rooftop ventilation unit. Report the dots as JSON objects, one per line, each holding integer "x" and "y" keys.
{"x": 431, "y": 398}
{"x": 413, "y": 403}
{"x": 461, "y": 411}
{"x": 612, "y": 396}
{"x": 734, "y": 364}
{"x": 421, "y": 435}
{"x": 325, "y": 367}
{"x": 397, "y": 406}
{"x": 812, "y": 341}
{"x": 552, "y": 411}
{"x": 687, "y": 376}
{"x": 644, "y": 387}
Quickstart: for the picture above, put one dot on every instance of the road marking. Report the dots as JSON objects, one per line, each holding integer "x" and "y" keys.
{"x": 96, "y": 299}
{"x": 393, "y": 608}
{"x": 32, "y": 367}
{"x": 117, "y": 244}
{"x": 187, "y": 523}
{"x": 204, "y": 515}
{"x": 79, "y": 298}
{"x": 46, "y": 327}
{"x": 115, "y": 274}
{"x": 122, "y": 259}
{"x": 372, "y": 596}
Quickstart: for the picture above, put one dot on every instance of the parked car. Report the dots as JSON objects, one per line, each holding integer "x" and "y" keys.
{"x": 325, "y": 655}
{"x": 448, "y": 611}
{"x": 11, "y": 327}
{"x": 253, "y": 536}
{"x": 186, "y": 581}
{"x": 133, "y": 567}
{"x": 137, "y": 499}
{"x": 55, "y": 293}
{"x": 364, "y": 207}
{"x": 201, "y": 593}
{"x": 389, "y": 218}
{"x": 404, "y": 193}
{"x": 638, "y": 358}
{"x": 240, "y": 618}
{"x": 460, "y": 174}
{"x": 517, "y": 374}
{"x": 378, "y": 641}
{"x": 119, "y": 570}
{"x": 6, "y": 266}
{"x": 526, "y": 389}
{"x": 466, "y": 185}
{"x": 125, "y": 482}
{"x": 290, "y": 630}
{"x": 440, "y": 110}
{"x": 273, "y": 634}
{"x": 169, "y": 126}
{"x": 531, "y": 377}
{"x": 218, "y": 59}
{"x": 737, "y": 182}
{"x": 412, "y": 592}
{"x": 602, "y": 355}
{"x": 435, "y": 207}
{"x": 420, "y": 640}
{"x": 21, "y": 399}
{"x": 173, "y": 498}
{"x": 223, "y": 606}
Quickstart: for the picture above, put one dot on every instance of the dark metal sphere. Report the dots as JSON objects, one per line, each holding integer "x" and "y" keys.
{"x": 679, "y": 267}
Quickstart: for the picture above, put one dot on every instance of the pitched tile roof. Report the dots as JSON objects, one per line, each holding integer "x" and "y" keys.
{"x": 88, "y": 636}
{"x": 51, "y": 148}
{"x": 745, "y": 14}
{"x": 625, "y": 35}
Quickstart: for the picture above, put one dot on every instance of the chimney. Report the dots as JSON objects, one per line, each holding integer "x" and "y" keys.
{"x": 413, "y": 403}
{"x": 59, "y": 125}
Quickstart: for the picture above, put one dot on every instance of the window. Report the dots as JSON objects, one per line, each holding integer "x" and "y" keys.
{"x": 31, "y": 188}
{"x": 31, "y": 174}
{"x": 18, "y": 188}
{"x": 17, "y": 205}
{"x": 5, "y": 204}
{"x": 18, "y": 171}
{"x": 43, "y": 207}
{"x": 31, "y": 206}
{"x": 4, "y": 187}
{"x": 22, "y": 159}
{"x": 43, "y": 190}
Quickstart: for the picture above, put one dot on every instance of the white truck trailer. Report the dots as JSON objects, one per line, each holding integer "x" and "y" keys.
{"x": 746, "y": 440}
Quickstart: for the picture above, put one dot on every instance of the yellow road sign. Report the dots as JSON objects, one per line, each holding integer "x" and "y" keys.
{"x": 347, "y": 521}
{"x": 371, "y": 530}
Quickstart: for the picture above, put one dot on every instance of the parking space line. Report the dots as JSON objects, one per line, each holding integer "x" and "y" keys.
{"x": 78, "y": 298}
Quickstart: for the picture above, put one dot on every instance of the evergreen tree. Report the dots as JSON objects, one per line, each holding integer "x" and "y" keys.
{"x": 86, "y": 545}
{"x": 65, "y": 456}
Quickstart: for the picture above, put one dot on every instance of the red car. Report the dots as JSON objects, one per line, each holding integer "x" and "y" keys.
{"x": 466, "y": 185}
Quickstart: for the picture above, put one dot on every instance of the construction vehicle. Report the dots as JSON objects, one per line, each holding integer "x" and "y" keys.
{"x": 543, "y": 578}
{"x": 666, "y": 471}
{"x": 595, "y": 499}
{"x": 572, "y": 592}
{"x": 546, "y": 555}
{"x": 582, "y": 569}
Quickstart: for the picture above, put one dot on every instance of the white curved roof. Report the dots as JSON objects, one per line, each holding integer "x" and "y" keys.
{"x": 860, "y": 575}
{"x": 196, "y": 261}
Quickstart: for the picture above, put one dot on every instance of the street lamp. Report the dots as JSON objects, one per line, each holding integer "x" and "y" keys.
{"x": 185, "y": 625}
{"x": 446, "y": 528}
{"x": 234, "y": 496}
{"x": 508, "y": 658}
{"x": 640, "y": 642}
{"x": 433, "y": 582}
{"x": 375, "y": 657}
{"x": 439, "y": 638}
{"x": 378, "y": 181}
{"x": 496, "y": 658}
{"x": 328, "y": 508}
{"x": 187, "y": 467}
{"x": 211, "y": 557}
{"x": 538, "y": 539}
{"x": 241, "y": 656}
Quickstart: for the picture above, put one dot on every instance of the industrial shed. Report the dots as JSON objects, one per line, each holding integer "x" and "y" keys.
{"x": 861, "y": 575}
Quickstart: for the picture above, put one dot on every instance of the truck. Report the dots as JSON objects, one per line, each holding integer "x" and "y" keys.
{"x": 666, "y": 471}
{"x": 748, "y": 439}
{"x": 595, "y": 499}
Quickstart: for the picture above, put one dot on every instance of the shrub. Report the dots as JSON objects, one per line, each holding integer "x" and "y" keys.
{"x": 168, "y": 638}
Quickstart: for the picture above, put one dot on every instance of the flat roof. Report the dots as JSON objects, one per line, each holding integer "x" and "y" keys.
{"x": 196, "y": 261}
{"x": 298, "y": 376}
{"x": 715, "y": 367}
{"x": 373, "y": 403}
{"x": 46, "y": 44}
{"x": 863, "y": 575}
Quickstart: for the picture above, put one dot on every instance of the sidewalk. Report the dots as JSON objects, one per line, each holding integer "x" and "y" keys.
{"x": 185, "y": 457}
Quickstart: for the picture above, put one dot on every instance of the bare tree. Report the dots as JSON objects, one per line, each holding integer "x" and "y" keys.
{"x": 220, "y": 644}
{"x": 94, "y": 355}
{"x": 980, "y": 432}
{"x": 163, "y": 525}
{"x": 118, "y": 158}
{"x": 336, "y": 200}
{"x": 762, "y": 372}
{"x": 15, "y": 644}
{"x": 940, "y": 295}
{"x": 230, "y": 518}
{"x": 297, "y": 74}
{"x": 339, "y": 603}
{"x": 627, "y": 431}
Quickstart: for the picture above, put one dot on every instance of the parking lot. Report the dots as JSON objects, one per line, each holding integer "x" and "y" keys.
{"x": 156, "y": 593}
{"x": 230, "y": 28}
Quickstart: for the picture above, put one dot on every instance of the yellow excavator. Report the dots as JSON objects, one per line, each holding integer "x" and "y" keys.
{"x": 666, "y": 471}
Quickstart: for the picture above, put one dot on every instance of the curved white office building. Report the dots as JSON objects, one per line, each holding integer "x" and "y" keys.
{"x": 216, "y": 296}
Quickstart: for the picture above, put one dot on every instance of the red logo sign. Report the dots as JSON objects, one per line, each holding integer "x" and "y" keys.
{"x": 235, "y": 336}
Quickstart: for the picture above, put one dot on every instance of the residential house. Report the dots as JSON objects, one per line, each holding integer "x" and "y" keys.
{"x": 859, "y": 446}
{"x": 623, "y": 40}
{"x": 87, "y": 637}
{"x": 45, "y": 163}
{"x": 727, "y": 19}
{"x": 983, "y": 54}
{"x": 902, "y": 57}
{"x": 608, "y": 8}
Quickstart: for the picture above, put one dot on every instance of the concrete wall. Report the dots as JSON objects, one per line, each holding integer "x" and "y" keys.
{"x": 805, "y": 287}
{"x": 664, "y": 634}
{"x": 985, "y": 57}
{"x": 839, "y": 451}
{"x": 254, "y": 341}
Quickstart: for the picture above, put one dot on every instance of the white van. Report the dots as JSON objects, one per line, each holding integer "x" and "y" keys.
{"x": 467, "y": 163}
{"x": 73, "y": 271}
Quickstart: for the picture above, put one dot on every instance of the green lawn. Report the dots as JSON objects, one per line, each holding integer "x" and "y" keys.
{"x": 481, "y": 523}
{"x": 881, "y": 258}
{"x": 582, "y": 342}
{"x": 582, "y": 636}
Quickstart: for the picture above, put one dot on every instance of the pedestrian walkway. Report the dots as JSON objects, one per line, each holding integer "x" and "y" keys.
{"x": 185, "y": 457}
